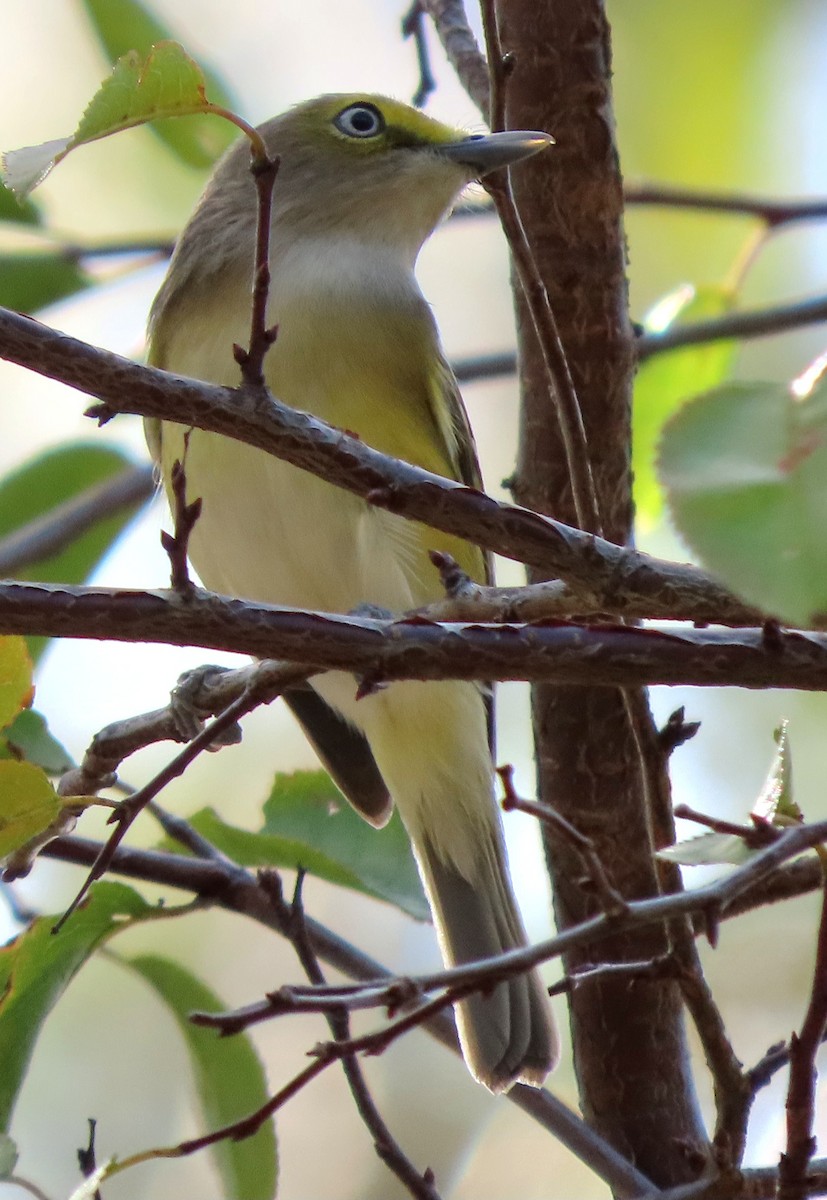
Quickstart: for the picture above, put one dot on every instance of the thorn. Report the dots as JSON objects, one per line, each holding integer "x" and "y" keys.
{"x": 101, "y": 413}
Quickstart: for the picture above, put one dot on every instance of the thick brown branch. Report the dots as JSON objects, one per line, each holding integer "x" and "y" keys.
{"x": 379, "y": 650}
{"x": 591, "y": 563}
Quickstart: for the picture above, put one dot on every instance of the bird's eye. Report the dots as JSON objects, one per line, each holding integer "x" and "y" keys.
{"x": 360, "y": 121}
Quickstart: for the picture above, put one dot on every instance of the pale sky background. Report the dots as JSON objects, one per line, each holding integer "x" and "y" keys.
{"x": 109, "y": 1050}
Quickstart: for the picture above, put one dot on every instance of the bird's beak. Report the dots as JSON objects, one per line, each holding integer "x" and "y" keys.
{"x": 490, "y": 151}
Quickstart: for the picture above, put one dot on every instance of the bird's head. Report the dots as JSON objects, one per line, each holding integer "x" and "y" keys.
{"x": 363, "y": 166}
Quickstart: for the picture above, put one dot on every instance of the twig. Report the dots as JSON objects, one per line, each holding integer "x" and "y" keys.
{"x": 461, "y": 48}
{"x": 217, "y": 689}
{"x": 759, "y": 833}
{"x": 561, "y": 384}
{"x": 413, "y": 26}
{"x": 185, "y": 517}
{"x": 235, "y": 889}
{"x": 27, "y": 1185}
{"x": 60, "y": 526}
{"x": 128, "y": 810}
{"x": 388, "y": 649}
{"x": 801, "y": 1143}
{"x": 611, "y": 901}
{"x": 763, "y": 322}
{"x": 419, "y": 1184}
{"x": 551, "y": 547}
{"x": 264, "y": 171}
{"x": 676, "y": 731}
{"x": 769, "y": 209}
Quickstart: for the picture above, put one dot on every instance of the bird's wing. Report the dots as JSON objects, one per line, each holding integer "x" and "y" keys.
{"x": 462, "y": 449}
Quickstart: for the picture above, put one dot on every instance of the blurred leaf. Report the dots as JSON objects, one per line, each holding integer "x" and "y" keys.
{"x": 28, "y": 282}
{"x": 124, "y": 25}
{"x": 229, "y": 1079}
{"x": 745, "y": 470}
{"x": 708, "y": 849}
{"x": 8, "y": 1156}
{"x": 45, "y": 482}
{"x": 12, "y": 209}
{"x": 665, "y": 381}
{"x": 16, "y": 689}
{"x": 166, "y": 83}
{"x": 307, "y": 807}
{"x": 28, "y": 738}
{"x": 37, "y": 967}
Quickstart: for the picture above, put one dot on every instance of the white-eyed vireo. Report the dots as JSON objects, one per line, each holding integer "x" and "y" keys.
{"x": 362, "y": 183}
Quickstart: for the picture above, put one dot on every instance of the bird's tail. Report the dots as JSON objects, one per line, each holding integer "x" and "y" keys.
{"x": 507, "y": 1034}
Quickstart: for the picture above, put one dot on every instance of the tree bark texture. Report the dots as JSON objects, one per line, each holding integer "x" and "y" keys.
{"x": 599, "y": 761}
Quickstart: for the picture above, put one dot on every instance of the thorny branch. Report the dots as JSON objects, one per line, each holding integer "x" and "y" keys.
{"x": 235, "y": 889}
{"x": 801, "y": 1093}
{"x": 232, "y": 887}
{"x": 585, "y": 561}
{"x": 379, "y": 650}
{"x": 419, "y": 1184}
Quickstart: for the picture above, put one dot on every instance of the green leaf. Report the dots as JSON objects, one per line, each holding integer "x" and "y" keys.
{"x": 8, "y": 1156}
{"x": 28, "y": 282}
{"x": 745, "y": 470}
{"x": 166, "y": 83}
{"x": 229, "y": 1079}
{"x": 124, "y": 25}
{"x": 665, "y": 381}
{"x": 20, "y": 212}
{"x": 38, "y": 966}
{"x": 307, "y": 807}
{"x": 16, "y": 689}
{"x": 40, "y": 486}
{"x": 28, "y": 738}
{"x": 270, "y": 850}
{"x": 28, "y": 805}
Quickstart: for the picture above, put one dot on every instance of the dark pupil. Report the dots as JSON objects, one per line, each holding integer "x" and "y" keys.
{"x": 363, "y": 120}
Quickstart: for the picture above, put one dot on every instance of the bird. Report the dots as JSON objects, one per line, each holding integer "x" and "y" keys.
{"x": 363, "y": 181}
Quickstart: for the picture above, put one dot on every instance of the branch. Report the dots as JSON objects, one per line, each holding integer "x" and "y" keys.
{"x": 461, "y": 48}
{"x": 256, "y": 418}
{"x": 235, "y": 889}
{"x": 761, "y": 323}
{"x": 56, "y": 529}
{"x": 379, "y": 650}
{"x": 419, "y": 1184}
{"x": 201, "y": 693}
{"x": 773, "y": 212}
{"x": 801, "y": 1094}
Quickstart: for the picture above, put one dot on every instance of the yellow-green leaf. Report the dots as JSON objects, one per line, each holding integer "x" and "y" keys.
{"x": 124, "y": 25}
{"x": 745, "y": 471}
{"x": 166, "y": 83}
{"x": 665, "y": 381}
{"x": 229, "y": 1079}
{"x": 16, "y": 688}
